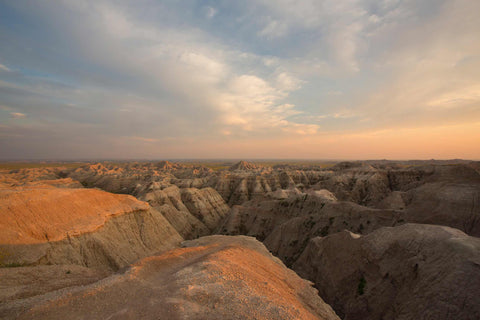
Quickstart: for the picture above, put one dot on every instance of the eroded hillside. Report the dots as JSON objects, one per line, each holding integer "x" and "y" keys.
{"x": 96, "y": 220}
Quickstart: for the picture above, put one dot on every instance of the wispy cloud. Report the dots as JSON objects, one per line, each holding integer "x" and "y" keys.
{"x": 211, "y": 12}
{"x": 17, "y": 115}
{"x": 3, "y": 68}
{"x": 273, "y": 29}
{"x": 166, "y": 73}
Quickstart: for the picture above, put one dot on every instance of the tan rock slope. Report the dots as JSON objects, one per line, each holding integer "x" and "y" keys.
{"x": 168, "y": 201}
{"x": 408, "y": 272}
{"x": 244, "y": 165}
{"x": 192, "y": 212}
{"x": 213, "y": 277}
{"x": 47, "y": 225}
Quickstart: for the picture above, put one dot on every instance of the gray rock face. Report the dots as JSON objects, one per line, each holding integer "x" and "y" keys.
{"x": 451, "y": 203}
{"x": 244, "y": 165}
{"x": 287, "y": 225}
{"x": 206, "y": 205}
{"x": 193, "y": 212}
{"x": 407, "y": 272}
{"x": 168, "y": 201}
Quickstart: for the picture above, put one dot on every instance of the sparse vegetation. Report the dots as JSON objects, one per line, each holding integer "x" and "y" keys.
{"x": 242, "y": 229}
{"x": 361, "y": 286}
{"x": 3, "y": 256}
{"x": 309, "y": 223}
{"x": 360, "y": 228}
{"x": 12, "y": 265}
{"x": 324, "y": 231}
{"x": 285, "y": 203}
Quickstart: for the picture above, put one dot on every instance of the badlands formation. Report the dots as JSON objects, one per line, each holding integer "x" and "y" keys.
{"x": 163, "y": 240}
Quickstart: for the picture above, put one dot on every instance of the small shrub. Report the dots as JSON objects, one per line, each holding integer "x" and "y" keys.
{"x": 242, "y": 229}
{"x": 13, "y": 265}
{"x": 360, "y": 228}
{"x": 324, "y": 231}
{"x": 361, "y": 286}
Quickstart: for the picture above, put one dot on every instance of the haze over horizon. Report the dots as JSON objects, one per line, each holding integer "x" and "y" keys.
{"x": 356, "y": 79}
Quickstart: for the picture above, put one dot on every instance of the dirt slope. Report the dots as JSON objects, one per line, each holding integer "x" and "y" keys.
{"x": 215, "y": 277}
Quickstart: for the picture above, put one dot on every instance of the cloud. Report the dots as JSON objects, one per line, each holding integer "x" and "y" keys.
{"x": 430, "y": 72}
{"x": 302, "y": 129}
{"x": 211, "y": 12}
{"x": 143, "y": 139}
{"x": 164, "y": 74}
{"x": 252, "y": 104}
{"x": 287, "y": 82}
{"x": 4, "y": 68}
{"x": 17, "y": 115}
{"x": 273, "y": 29}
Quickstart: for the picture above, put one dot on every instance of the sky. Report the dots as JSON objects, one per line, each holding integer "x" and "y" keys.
{"x": 311, "y": 79}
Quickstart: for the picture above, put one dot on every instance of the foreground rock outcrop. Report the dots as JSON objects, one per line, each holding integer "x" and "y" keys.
{"x": 215, "y": 277}
{"x": 47, "y": 225}
{"x": 408, "y": 272}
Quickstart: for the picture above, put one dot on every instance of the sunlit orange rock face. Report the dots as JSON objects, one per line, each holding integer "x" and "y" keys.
{"x": 214, "y": 277}
{"x": 47, "y": 222}
{"x": 42, "y": 214}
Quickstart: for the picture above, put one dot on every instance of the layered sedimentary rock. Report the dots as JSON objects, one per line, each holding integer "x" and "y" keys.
{"x": 437, "y": 193}
{"x": 131, "y": 178}
{"x": 210, "y": 278}
{"x": 288, "y": 240}
{"x": 46, "y": 225}
{"x": 206, "y": 205}
{"x": 407, "y": 272}
{"x": 241, "y": 186}
{"x": 20, "y": 177}
{"x": 244, "y": 165}
{"x": 192, "y": 212}
{"x": 285, "y": 226}
{"x": 450, "y": 196}
{"x": 326, "y": 222}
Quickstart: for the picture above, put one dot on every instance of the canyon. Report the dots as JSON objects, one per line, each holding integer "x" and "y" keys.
{"x": 349, "y": 240}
